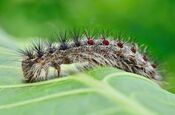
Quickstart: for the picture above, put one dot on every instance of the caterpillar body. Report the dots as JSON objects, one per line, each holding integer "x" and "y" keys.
{"x": 96, "y": 52}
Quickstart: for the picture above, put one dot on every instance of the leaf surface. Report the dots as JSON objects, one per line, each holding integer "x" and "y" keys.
{"x": 101, "y": 91}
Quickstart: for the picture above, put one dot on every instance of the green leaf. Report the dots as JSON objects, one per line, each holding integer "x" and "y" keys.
{"x": 101, "y": 91}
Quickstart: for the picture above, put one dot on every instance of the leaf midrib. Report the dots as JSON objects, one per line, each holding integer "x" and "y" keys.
{"x": 114, "y": 95}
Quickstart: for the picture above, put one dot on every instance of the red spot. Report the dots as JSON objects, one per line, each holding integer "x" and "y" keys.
{"x": 118, "y": 53}
{"x": 105, "y": 42}
{"x": 132, "y": 60}
{"x": 141, "y": 68}
{"x": 133, "y": 49}
{"x": 120, "y": 44}
{"x": 145, "y": 58}
{"x": 90, "y": 41}
{"x": 154, "y": 65}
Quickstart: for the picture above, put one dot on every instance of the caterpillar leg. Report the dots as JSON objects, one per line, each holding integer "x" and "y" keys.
{"x": 57, "y": 67}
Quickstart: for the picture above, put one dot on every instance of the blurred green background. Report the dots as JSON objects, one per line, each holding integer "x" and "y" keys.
{"x": 150, "y": 22}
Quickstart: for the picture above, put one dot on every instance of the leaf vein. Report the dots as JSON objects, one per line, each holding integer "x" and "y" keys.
{"x": 68, "y": 93}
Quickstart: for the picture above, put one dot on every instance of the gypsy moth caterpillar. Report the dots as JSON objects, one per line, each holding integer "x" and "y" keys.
{"x": 85, "y": 48}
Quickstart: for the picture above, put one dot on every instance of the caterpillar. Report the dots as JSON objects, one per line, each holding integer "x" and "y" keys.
{"x": 95, "y": 50}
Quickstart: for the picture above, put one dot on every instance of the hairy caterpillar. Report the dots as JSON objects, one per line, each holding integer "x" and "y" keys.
{"x": 84, "y": 48}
